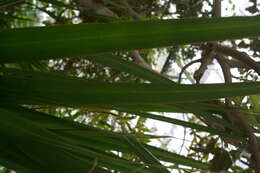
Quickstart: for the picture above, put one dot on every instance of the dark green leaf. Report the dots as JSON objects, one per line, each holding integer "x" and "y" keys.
{"x": 88, "y": 39}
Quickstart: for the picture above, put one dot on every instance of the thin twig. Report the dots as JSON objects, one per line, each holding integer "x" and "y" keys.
{"x": 246, "y": 80}
{"x": 186, "y": 66}
{"x": 184, "y": 136}
{"x": 107, "y": 112}
{"x": 167, "y": 62}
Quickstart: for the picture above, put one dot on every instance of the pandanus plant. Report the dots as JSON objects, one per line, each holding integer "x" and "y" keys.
{"x": 36, "y": 142}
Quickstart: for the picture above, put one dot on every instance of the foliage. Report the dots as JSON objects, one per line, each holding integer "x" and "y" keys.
{"x": 74, "y": 101}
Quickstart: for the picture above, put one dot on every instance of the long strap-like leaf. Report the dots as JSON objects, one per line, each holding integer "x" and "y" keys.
{"x": 38, "y": 134}
{"x": 129, "y": 67}
{"x": 38, "y": 88}
{"x": 88, "y": 39}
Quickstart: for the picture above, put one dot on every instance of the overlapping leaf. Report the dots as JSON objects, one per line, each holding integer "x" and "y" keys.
{"x": 88, "y": 39}
{"x": 75, "y": 145}
{"x": 43, "y": 88}
{"x": 48, "y": 143}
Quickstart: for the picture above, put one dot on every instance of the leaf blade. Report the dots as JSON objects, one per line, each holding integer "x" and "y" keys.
{"x": 88, "y": 39}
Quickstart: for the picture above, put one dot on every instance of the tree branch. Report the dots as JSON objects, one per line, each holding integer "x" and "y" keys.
{"x": 208, "y": 54}
{"x": 217, "y": 8}
{"x": 228, "y": 79}
{"x": 255, "y": 44}
{"x": 235, "y": 63}
{"x": 252, "y": 140}
{"x": 225, "y": 69}
{"x": 167, "y": 62}
{"x": 240, "y": 118}
{"x": 241, "y": 56}
{"x": 207, "y": 57}
{"x": 186, "y": 66}
{"x": 135, "y": 55}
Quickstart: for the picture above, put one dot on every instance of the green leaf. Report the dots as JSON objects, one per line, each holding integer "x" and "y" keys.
{"x": 200, "y": 109}
{"x": 77, "y": 143}
{"x": 189, "y": 125}
{"x": 88, "y": 39}
{"x": 42, "y": 149}
{"x": 129, "y": 67}
{"x": 175, "y": 158}
{"x": 21, "y": 87}
{"x": 39, "y": 150}
{"x": 143, "y": 153}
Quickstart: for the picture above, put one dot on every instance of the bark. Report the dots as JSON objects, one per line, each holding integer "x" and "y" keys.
{"x": 241, "y": 56}
{"x": 208, "y": 54}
